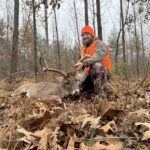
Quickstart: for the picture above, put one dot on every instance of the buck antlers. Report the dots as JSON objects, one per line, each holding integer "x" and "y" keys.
{"x": 45, "y": 67}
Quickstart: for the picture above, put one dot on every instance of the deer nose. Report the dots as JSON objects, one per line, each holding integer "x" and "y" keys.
{"x": 75, "y": 92}
{"x": 75, "y": 89}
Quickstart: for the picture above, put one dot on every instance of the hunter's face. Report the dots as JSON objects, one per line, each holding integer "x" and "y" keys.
{"x": 86, "y": 39}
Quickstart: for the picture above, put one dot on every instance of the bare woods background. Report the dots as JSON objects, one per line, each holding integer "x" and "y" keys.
{"x": 26, "y": 35}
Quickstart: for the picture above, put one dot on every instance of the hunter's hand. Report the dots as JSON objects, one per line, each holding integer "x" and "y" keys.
{"x": 79, "y": 66}
{"x": 85, "y": 57}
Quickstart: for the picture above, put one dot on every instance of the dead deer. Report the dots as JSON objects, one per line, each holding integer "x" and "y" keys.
{"x": 64, "y": 85}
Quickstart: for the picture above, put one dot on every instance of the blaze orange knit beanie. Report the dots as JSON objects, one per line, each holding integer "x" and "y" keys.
{"x": 88, "y": 29}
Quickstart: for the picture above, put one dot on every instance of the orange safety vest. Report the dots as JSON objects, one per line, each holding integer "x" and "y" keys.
{"x": 90, "y": 51}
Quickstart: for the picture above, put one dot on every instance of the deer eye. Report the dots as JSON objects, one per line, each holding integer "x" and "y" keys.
{"x": 67, "y": 83}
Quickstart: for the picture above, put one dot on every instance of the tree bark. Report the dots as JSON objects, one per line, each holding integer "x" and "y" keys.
{"x": 76, "y": 20}
{"x": 121, "y": 28}
{"x": 93, "y": 15}
{"x": 46, "y": 26}
{"x": 142, "y": 39}
{"x": 123, "y": 32}
{"x": 99, "y": 21}
{"x": 117, "y": 50}
{"x": 58, "y": 48}
{"x": 136, "y": 42}
{"x": 8, "y": 21}
{"x": 131, "y": 54}
{"x": 14, "y": 57}
{"x": 35, "y": 39}
{"x": 143, "y": 48}
{"x": 86, "y": 12}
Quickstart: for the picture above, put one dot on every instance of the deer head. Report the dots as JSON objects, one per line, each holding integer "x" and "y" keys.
{"x": 69, "y": 81}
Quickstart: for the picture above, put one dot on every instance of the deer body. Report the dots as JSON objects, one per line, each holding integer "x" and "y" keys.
{"x": 64, "y": 86}
{"x": 45, "y": 90}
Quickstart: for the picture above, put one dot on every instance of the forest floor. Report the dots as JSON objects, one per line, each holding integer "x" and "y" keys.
{"x": 118, "y": 119}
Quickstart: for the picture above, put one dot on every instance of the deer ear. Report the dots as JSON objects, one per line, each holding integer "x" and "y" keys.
{"x": 60, "y": 79}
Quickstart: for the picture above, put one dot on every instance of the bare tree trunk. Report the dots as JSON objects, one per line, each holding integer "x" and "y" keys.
{"x": 8, "y": 21}
{"x": 136, "y": 42}
{"x": 99, "y": 22}
{"x": 58, "y": 48}
{"x": 14, "y": 57}
{"x": 93, "y": 6}
{"x": 143, "y": 49}
{"x": 121, "y": 28}
{"x": 131, "y": 54}
{"x": 117, "y": 50}
{"x": 35, "y": 40}
{"x": 76, "y": 19}
{"x": 123, "y": 32}
{"x": 86, "y": 12}
{"x": 142, "y": 39}
{"x": 46, "y": 26}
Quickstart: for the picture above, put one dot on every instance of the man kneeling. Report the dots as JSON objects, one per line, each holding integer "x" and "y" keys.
{"x": 94, "y": 64}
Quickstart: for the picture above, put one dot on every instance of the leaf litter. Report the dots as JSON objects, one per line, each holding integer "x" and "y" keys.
{"x": 119, "y": 119}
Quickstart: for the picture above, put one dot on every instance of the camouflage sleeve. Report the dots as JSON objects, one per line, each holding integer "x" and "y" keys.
{"x": 99, "y": 53}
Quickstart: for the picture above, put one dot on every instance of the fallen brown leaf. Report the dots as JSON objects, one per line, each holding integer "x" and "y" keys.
{"x": 92, "y": 121}
{"x": 26, "y": 133}
{"x": 108, "y": 127}
{"x": 71, "y": 142}
{"x": 43, "y": 134}
{"x": 146, "y": 134}
{"x": 83, "y": 146}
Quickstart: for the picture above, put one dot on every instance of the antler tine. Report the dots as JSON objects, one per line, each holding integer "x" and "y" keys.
{"x": 55, "y": 70}
{"x": 45, "y": 67}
